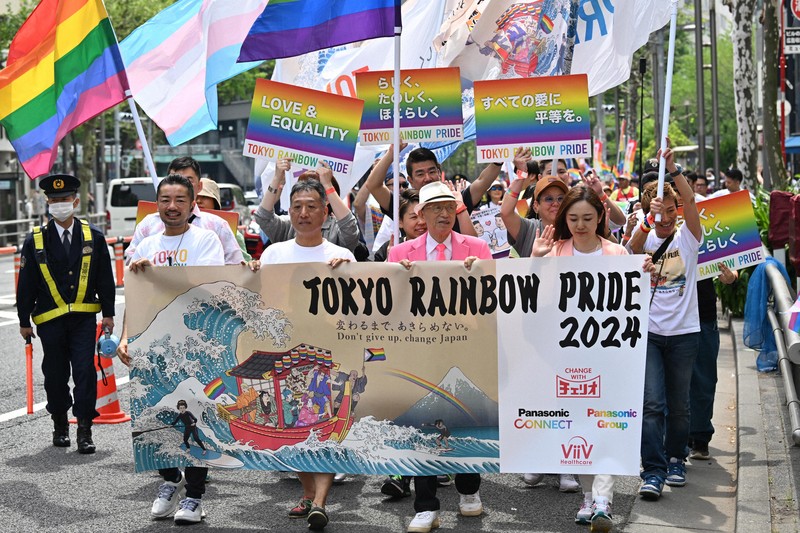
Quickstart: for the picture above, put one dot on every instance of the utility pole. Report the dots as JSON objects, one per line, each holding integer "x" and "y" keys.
{"x": 700, "y": 82}
{"x": 712, "y": 13}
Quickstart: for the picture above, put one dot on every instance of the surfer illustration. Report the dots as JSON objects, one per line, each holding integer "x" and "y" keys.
{"x": 189, "y": 425}
{"x": 443, "y": 440}
{"x": 357, "y": 386}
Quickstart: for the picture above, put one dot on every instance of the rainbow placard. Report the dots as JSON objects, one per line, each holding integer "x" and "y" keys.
{"x": 549, "y": 115}
{"x": 145, "y": 208}
{"x": 303, "y": 124}
{"x": 730, "y": 234}
{"x": 430, "y": 109}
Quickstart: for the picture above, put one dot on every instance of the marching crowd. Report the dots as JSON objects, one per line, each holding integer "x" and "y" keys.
{"x": 65, "y": 279}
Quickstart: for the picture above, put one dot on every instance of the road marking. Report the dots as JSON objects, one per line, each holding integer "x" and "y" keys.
{"x": 17, "y": 413}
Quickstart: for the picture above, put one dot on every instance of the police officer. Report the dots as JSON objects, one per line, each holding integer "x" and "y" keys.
{"x": 65, "y": 279}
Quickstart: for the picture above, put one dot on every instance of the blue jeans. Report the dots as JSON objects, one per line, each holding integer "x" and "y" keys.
{"x": 704, "y": 384}
{"x": 665, "y": 420}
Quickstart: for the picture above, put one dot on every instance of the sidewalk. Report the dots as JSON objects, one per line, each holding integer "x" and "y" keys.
{"x": 750, "y": 483}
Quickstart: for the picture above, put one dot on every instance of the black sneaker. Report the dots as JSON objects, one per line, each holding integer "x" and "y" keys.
{"x": 396, "y": 487}
{"x": 700, "y": 451}
{"x": 317, "y": 518}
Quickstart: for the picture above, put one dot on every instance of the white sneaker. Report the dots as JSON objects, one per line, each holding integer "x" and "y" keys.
{"x": 532, "y": 479}
{"x": 584, "y": 516}
{"x": 601, "y": 516}
{"x": 339, "y": 478}
{"x": 470, "y": 504}
{"x": 169, "y": 494}
{"x": 423, "y": 522}
{"x": 568, "y": 483}
{"x": 190, "y": 511}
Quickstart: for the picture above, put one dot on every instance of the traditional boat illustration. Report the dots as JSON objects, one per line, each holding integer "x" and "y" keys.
{"x": 285, "y": 396}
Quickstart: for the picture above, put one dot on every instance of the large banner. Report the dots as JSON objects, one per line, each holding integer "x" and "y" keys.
{"x": 373, "y": 369}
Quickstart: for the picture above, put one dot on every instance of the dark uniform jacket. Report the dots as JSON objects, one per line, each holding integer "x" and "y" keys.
{"x": 33, "y": 294}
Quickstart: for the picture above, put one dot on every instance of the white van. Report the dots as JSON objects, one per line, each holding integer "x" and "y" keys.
{"x": 123, "y": 198}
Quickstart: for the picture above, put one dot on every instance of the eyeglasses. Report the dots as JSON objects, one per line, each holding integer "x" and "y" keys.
{"x": 403, "y": 185}
{"x": 438, "y": 207}
{"x": 551, "y": 199}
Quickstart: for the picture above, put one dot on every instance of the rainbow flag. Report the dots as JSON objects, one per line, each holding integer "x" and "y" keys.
{"x": 374, "y": 354}
{"x": 63, "y": 69}
{"x": 546, "y": 24}
{"x": 214, "y": 388}
{"x": 290, "y": 28}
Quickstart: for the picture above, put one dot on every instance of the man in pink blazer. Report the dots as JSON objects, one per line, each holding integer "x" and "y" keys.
{"x": 437, "y": 205}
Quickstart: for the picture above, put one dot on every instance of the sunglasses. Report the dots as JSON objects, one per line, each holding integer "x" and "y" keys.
{"x": 495, "y": 188}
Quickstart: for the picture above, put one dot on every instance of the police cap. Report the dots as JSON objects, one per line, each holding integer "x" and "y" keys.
{"x": 59, "y": 185}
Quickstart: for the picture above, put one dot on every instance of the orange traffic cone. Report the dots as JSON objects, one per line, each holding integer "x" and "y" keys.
{"x": 107, "y": 402}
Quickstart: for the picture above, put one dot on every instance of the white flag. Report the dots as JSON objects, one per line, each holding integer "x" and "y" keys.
{"x": 609, "y": 33}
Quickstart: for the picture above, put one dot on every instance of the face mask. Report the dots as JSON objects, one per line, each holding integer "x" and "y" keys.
{"x": 61, "y": 211}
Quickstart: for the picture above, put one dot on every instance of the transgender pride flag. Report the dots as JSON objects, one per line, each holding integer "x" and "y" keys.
{"x": 176, "y": 59}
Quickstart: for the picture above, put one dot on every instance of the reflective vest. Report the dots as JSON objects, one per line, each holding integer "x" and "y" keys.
{"x": 62, "y": 308}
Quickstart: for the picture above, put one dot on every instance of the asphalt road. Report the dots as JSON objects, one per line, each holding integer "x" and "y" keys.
{"x": 43, "y": 488}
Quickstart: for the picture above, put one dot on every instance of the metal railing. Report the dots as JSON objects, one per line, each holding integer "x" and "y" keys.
{"x": 14, "y": 231}
{"x": 788, "y": 342}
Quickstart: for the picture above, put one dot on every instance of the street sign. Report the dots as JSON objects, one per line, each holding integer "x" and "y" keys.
{"x": 795, "y": 8}
{"x": 791, "y": 37}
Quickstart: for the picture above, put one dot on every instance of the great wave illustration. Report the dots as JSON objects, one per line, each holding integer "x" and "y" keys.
{"x": 285, "y": 409}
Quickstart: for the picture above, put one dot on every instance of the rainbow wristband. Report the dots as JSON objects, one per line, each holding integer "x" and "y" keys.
{"x": 513, "y": 194}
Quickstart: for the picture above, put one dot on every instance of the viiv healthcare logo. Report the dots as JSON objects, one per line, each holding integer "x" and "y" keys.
{"x": 578, "y": 384}
{"x": 577, "y": 452}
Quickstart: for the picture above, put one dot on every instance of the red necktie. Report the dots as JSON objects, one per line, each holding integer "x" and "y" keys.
{"x": 440, "y": 252}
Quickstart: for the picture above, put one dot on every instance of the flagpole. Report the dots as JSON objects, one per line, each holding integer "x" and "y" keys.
{"x": 148, "y": 157}
{"x": 673, "y": 23}
{"x": 396, "y": 126}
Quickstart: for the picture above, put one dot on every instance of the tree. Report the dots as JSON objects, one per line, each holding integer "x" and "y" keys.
{"x": 773, "y": 151}
{"x": 744, "y": 85}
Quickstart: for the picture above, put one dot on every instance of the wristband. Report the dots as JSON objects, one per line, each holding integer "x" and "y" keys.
{"x": 649, "y": 221}
{"x": 461, "y": 209}
{"x": 330, "y": 190}
{"x": 498, "y": 164}
{"x": 270, "y": 189}
{"x": 675, "y": 174}
{"x": 512, "y": 194}
{"x": 604, "y": 197}
{"x": 644, "y": 227}
{"x": 625, "y": 238}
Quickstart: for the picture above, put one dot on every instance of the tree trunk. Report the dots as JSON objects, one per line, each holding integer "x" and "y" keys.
{"x": 744, "y": 86}
{"x": 773, "y": 154}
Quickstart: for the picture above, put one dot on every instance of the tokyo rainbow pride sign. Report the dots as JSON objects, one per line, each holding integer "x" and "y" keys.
{"x": 430, "y": 109}
{"x": 730, "y": 234}
{"x": 305, "y": 125}
{"x": 549, "y": 115}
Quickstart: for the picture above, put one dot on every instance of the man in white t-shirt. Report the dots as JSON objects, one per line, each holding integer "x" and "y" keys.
{"x": 152, "y": 223}
{"x": 673, "y": 332}
{"x": 180, "y": 243}
{"x": 307, "y": 212}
